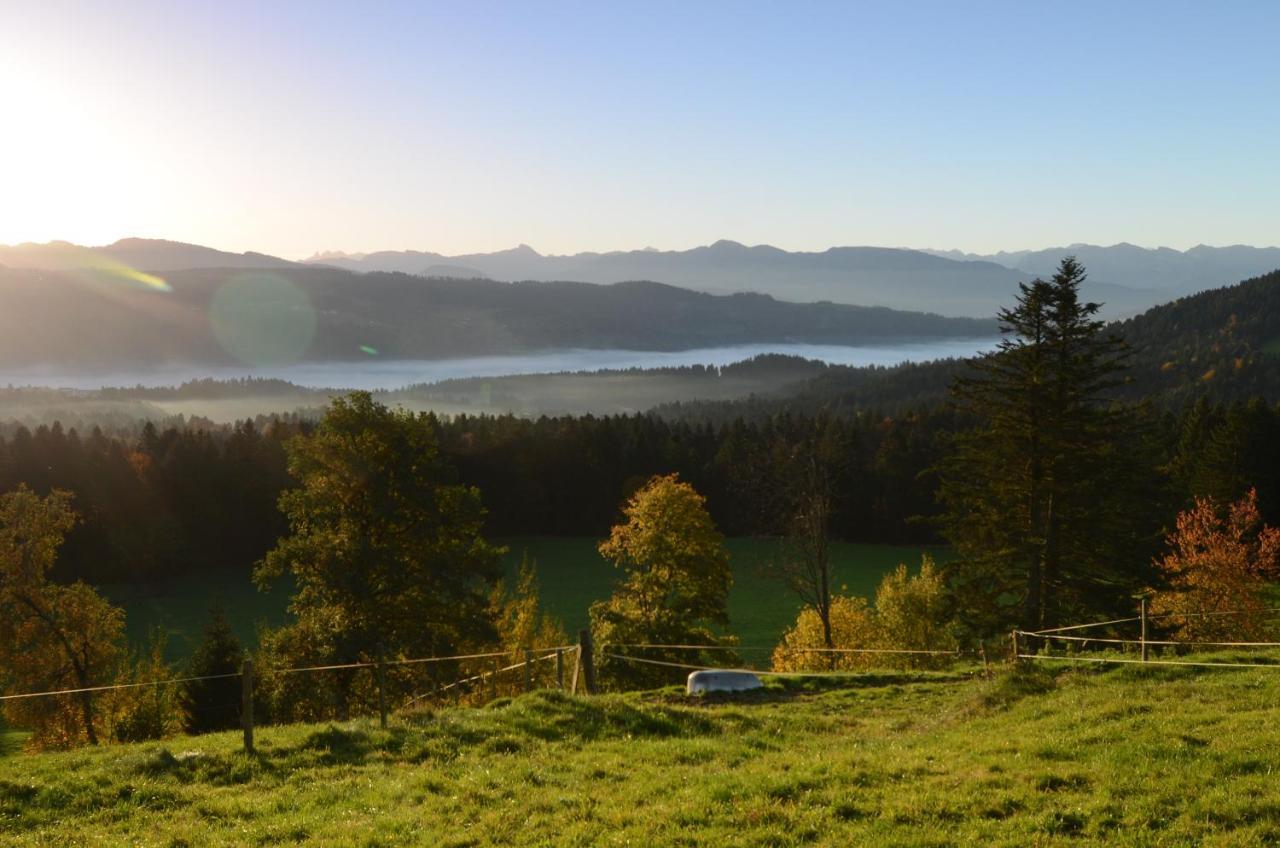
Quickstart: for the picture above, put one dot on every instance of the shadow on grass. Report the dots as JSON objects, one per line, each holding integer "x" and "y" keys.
{"x": 219, "y": 769}
{"x": 11, "y": 741}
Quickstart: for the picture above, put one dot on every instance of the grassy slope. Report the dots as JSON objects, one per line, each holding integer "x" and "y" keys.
{"x": 1126, "y": 757}
{"x": 572, "y": 575}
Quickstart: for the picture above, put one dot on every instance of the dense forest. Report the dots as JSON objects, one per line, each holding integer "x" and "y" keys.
{"x": 160, "y": 502}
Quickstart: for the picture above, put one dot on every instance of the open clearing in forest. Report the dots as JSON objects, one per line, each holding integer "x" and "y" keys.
{"x": 1124, "y": 756}
{"x": 571, "y": 573}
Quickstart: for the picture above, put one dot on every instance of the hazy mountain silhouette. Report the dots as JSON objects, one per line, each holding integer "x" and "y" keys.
{"x": 85, "y": 320}
{"x": 1125, "y": 278}
{"x": 870, "y": 276}
{"x": 1163, "y": 269}
{"x": 142, "y": 254}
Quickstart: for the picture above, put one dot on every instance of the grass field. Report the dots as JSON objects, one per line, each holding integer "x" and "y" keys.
{"x": 571, "y": 573}
{"x": 1133, "y": 756}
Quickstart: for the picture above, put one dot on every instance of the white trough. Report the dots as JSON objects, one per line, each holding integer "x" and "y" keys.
{"x": 721, "y": 680}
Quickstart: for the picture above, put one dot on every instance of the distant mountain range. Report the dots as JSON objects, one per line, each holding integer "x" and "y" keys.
{"x": 1125, "y": 278}
{"x": 1163, "y": 268}
{"x": 868, "y": 276}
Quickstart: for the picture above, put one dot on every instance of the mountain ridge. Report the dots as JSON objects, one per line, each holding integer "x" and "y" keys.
{"x": 1125, "y": 277}
{"x": 209, "y": 316}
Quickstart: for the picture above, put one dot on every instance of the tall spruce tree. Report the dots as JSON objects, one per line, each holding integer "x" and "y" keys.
{"x": 1042, "y": 496}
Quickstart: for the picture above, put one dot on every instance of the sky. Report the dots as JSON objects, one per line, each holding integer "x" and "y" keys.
{"x": 290, "y": 128}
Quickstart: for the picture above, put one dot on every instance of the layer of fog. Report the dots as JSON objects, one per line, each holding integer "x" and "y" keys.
{"x": 390, "y": 374}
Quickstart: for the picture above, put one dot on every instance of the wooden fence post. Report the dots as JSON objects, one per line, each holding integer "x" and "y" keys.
{"x": 493, "y": 681}
{"x": 560, "y": 669}
{"x": 587, "y": 661}
{"x": 246, "y": 704}
{"x": 382, "y": 691}
{"x": 1144, "y": 629}
{"x": 1013, "y": 634}
{"x": 527, "y": 682}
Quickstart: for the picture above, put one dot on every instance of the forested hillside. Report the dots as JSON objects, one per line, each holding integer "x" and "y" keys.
{"x": 1221, "y": 345}
{"x": 101, "y": 320}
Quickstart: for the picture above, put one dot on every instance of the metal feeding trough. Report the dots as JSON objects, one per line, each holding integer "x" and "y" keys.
{"x": 721, "y": 680}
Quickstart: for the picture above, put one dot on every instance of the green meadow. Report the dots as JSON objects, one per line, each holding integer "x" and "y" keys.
{"x": 1041, "y": 757}
{"x": 572, "y": 576}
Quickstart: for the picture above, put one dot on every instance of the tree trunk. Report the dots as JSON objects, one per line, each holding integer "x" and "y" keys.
{"x": 1049, "y": 571}
{"x": 86, "y": 708}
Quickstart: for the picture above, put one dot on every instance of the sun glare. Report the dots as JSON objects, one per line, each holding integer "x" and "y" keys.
{"x": 68, "y": 169}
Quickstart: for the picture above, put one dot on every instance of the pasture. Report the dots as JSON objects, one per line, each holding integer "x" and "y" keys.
{"x": 1045, "y": 756}
{"x": 572, "y": 576}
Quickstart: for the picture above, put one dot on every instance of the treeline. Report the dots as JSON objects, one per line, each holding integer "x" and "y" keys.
{"x": 161, "y": 502}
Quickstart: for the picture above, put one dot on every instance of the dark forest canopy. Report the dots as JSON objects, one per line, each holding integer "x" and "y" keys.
{"x": 159, "y": 502}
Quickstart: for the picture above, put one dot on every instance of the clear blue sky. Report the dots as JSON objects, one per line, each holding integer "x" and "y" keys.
{"x": 468, "y": 126}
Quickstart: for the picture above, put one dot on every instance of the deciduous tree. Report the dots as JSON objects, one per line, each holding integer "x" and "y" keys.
{"x": 385, "y": 549}
{"x": 675, "y": 584}
{"x": 1222, "y": 561}
{"x": 52, "y": 636}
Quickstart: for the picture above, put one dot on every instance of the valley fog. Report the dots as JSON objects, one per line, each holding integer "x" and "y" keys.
{"x": 378, "y": 374}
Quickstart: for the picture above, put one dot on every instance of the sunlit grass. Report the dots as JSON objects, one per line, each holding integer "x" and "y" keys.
{"x": 1132, "y": 756}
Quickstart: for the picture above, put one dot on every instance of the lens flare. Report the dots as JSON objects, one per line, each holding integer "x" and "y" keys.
{"x": 106, "y": 269}
{"x": 262, "y": 319}
{"x": 369, "y": 349}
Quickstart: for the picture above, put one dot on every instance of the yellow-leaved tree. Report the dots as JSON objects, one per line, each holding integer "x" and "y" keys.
{"x": 523, "y": 625}
{"x": 908, "y": 627}
{"x": 52, "y": 636}
{"x": 674, "y": 589}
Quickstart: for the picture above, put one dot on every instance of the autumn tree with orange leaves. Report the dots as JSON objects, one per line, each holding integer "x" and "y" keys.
{"x": 1219, "y": 568}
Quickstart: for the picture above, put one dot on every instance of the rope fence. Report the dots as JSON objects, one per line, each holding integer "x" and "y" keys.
{"x": 787, "y": 649}
{"x": 305, "y": 669}
{"x": 759, "y": 672}
{"x": 1141, "y": 644}
{"x": 1069, "y": 636}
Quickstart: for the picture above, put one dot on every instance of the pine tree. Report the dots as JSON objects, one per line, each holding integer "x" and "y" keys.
{"x": 1040, "y": 495}
{"x": 209, "y": 705}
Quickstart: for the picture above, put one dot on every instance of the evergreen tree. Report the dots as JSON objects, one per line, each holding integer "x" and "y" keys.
{"x": 209, "y": 705}
{"x": 1040, "y": 495}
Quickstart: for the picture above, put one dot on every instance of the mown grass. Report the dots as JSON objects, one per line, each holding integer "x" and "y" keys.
{"x": 572, "y": 575}
{"x": 1047, "y": 756}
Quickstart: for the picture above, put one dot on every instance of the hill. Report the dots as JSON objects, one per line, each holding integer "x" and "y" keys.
{"x": 874, "y": 276}
{"x": 1135, "y": 756}
{"x": 1221, "y": 345}
{"x": 102, "y": 320}
{"x": 142, "y": 254}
